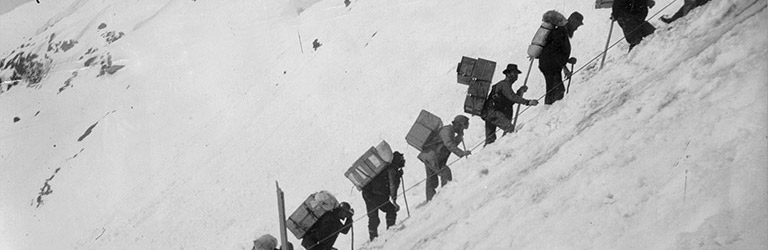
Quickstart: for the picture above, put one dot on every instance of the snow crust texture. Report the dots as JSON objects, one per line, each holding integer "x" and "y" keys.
{"x": 165, "y": 124}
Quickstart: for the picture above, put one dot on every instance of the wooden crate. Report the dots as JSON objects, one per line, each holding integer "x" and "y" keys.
{"x": 426, "y": 126}
{"x": 365, "y": 168}
{"x": 474, "y": 69}
{"x": 309, "y": 212}
{"x": 464, "y": 70}
{"x": 602, "y": 4}
{"x": 483, "y": 70}
{"x": 476, "y": 96}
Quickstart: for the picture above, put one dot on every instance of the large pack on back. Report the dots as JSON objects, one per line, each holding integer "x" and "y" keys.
{"x": 470, "y": 69}
{"x": 309, "y": 212}
{"x": 370, "y": 164}
{"x": 476, "y": 96}
{"x": 549, "y": 20}
{"x": 425, "y": 127}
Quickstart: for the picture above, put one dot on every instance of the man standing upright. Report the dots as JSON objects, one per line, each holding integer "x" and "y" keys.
{"x": 499, "y": 107}
{"x": 630, "y": 14}
{"x": 435, "y": 153}
{"x": 555, "y": 56}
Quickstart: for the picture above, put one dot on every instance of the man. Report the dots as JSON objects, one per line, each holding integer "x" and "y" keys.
{"x": 554, "y": 56}
{"x": 630, "y": 14}
{"x": 381, "y": 194}
{"x": 499, "y": 106}
{"x": 435, "y": 153}
{"x": 687, "y": 6}
{"x": 322, "y": 235}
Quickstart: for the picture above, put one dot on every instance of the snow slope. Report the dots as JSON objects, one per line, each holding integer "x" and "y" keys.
{"x": 665, "y": 148}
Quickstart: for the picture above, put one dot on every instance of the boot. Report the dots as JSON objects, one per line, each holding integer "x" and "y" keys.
{"x": 372, "y": 234}
{"x": 665, "y": 19}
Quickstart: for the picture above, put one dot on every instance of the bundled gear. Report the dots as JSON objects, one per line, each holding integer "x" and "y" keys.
{"x": 307, "y": 214}
{"x": 268, "y": 242}
{"x": 265, "y": 242}
{"x": 550, "y": 19}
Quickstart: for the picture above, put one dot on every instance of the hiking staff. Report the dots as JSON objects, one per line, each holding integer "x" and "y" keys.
{"x": 605, "y": 52}
{"x": 402, "y": 181}
{"x": 525, "y": 84}
{"x": 352, "y": 228}
{"x": 465, "y": 147}
{"x": 572, "y": 61}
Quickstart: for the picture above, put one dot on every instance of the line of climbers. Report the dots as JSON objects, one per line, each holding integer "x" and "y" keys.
{"x": 382, "y": 169}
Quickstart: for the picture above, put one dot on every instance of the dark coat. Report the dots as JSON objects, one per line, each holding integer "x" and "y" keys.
{"x": 555, "y": 54}
{"x": 502, "y": 98}
{"x": 322, "y": 235}
{"x": 387, "y": 182}
{"x": 633, "y": 8}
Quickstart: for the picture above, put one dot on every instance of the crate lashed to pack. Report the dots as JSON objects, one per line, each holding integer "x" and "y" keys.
{"x": 476, "y": 96}
{"x": 370, "y": 164}
{"x": 470, "y": 69}
{"x": 425, "y": 127}
{"x": 478, "y": 74}
{"x": 309, "y": 212}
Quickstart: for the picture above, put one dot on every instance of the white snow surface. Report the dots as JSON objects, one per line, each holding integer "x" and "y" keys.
{"x": 664, "y": 148}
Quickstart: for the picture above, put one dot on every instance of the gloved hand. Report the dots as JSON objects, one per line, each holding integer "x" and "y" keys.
{"x": 533, "y": 102}
{"x": 466, "y": 153}
{"x": 567, "y": 73}
{"x": 651, "y": 3}
{"x": 393, "y": 200}
{"x": 572, "y": 60}
{"x": 522, "y": 90}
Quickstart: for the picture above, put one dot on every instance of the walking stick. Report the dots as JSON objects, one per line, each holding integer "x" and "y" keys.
{"x": 525, "y": 83}
{"x": 605, "y": 52}
{"x": 402, "y": 181}
{"x": 352, "y": 228}
{"x": 569, "y": 79}
{"x": 464, "y": 146}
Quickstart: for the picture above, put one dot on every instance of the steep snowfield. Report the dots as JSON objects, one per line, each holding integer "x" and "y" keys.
{"x": 664, "y": 148}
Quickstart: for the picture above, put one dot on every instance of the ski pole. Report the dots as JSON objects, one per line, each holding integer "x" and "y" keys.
{"x": 569, "y": 79}
{"x": 525, "y": 83}
{"x": 402, "y": 181}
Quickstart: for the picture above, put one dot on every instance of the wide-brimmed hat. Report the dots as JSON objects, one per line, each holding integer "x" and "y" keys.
{"x": 511, "y": 68}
